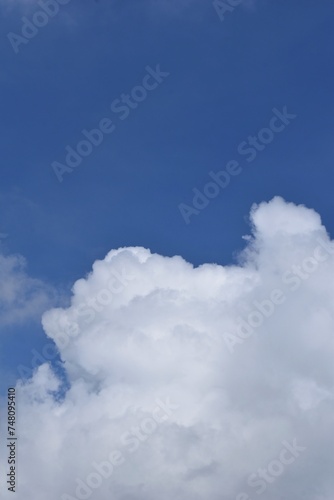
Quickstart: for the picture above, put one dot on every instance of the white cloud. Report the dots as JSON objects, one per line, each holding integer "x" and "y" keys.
{"x": 22, "y": 298}
{"x": 161, "y": 334}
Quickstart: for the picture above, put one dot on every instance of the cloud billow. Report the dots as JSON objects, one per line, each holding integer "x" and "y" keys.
{"x": 153, "y": 379}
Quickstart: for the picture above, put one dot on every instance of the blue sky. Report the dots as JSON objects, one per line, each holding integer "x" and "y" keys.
{"x": 225, "y": 77}
{"x": 224, "y": 82}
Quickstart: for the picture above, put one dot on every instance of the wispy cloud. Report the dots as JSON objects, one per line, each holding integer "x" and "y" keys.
{"x": 22, "y": 298}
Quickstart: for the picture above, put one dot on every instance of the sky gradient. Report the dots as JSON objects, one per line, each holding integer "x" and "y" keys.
{"x": 182, "y": 96}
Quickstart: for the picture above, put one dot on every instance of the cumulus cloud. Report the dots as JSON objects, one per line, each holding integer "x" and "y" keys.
{"x": 191, "y": 383}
